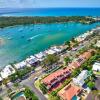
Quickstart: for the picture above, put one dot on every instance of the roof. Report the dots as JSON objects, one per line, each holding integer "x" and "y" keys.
{"x": 98, "y": 43}
{"x": 69, "y": 91}
{"x": 54, "y": 75}
{"x": 79, "y": 80}
{"x": 85, "y": 55}
{"x": 96, "y": 66}
{"x": 74, "y": 64}
{"x": 8, "y": 70}
{"x": 31, "y": 60}
{"x": 50, "y": 51}
{"x": 20, "y": 65}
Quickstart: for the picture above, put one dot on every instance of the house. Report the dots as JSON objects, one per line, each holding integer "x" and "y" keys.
{"x": 98, "y": 44}
{"x": 40, "y": 56}
{"x": 32, "y": 60}
{"x": 55, "y": 48}
{"x": 80, "y": 79}
{"x": 20, "y": 65}
{"x": 7, "y": 71}
{"x": 69, "y": 92}
{"x": 86, "y": 55}
{"x": 50, "y": 51}
{"x": 96, "y": 66}
{"x": 56, "y": 77}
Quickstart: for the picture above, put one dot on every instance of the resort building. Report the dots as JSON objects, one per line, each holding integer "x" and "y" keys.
{"x": 20, "y": 65}
{"x": 69, "y": 92}
{"x": 96, "y": 67}
{"x": 7, "y": 71}
{"x": 32, "y": 60}
{"x": 80, "y": 79}
{"x": 56, "y": 77}
{"x": 40, "y": 56}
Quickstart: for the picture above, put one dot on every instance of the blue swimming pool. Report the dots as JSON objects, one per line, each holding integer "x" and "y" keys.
{"x": 74, "y": 98}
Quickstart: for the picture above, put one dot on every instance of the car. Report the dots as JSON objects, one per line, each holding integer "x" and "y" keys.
{"x": 35, "y": 78}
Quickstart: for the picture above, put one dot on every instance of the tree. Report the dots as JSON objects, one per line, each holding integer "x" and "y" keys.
{"x": 50, "y": 59}
{"x": 67, "y": 60}
{"x": 29, "y": 94}
{"x": 90, "y": 85}
{"x": 43, "y": 88}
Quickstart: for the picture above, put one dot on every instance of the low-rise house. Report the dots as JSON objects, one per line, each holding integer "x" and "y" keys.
{"x": 20, "y": 65}
{"x": 32, "y": 60}
{"x": 80, "y": 79}
{"x": 7, "y": 71}
{"x": 50, "y": 51}
{"x": 58, "y": 50}
{"x": 86, "y": 55}
{"x": 96, "y": 67}
{"x": 56, "y": 77}
{"x": 40, "y": 56}
{"x": 98, "y": 44}
{"x": 69, "y": 92}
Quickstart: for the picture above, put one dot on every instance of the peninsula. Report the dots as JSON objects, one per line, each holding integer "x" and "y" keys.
{"x": 11, "y": 21}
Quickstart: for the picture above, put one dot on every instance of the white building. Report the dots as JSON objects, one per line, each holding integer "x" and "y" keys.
{"x": 96, "y": 66}
{"x": 98, "y": 44}
{"x": 7, "y": 71}
{"x": 50, "y": 51}
{"x": 56, "y": 49}
{"x": 40, "y": 56}
{"x": 20, "y": 65}
{"x": 31, "y": 60}
{"x": 80, "y": 79}
{"x": 0, "y": 79}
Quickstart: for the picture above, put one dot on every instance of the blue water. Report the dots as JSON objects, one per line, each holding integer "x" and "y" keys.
{"x": 43, "y": 36}
{"x": 51, "y": 12}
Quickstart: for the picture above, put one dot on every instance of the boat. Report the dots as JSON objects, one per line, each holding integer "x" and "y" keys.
{"x": 10, "y": 38}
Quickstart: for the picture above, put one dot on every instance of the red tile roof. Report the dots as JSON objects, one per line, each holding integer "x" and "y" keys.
{"x": 86, "y": 55}
{"x": 50, "y": 78}
{"x": 69, "y": 91}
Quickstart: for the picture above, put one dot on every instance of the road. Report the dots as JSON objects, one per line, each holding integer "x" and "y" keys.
{"x": 30, "y": 83}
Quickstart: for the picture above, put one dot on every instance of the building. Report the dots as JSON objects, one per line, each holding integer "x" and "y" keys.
{"x": 56, "y": 77}
{"x": 20, "y": 65}
{"x": 80, "y": 79}
{"x": 7, "y": 71}
{"x": 0, "y": 79}
{"x": 40, "y": 56}
{"x": 86, "y": 55}
{"x": 96, "y": 66}
{"x": 98, "y": 44}
{"x": 32, "y": 60}
{"x": 50, "y": 51}
{"x": 69, "y": 92}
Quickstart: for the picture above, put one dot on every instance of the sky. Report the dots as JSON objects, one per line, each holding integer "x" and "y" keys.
{"x": 48, "y": 3}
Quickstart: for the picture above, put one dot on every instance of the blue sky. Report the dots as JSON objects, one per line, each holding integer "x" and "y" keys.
{"x": 48, "y": 3}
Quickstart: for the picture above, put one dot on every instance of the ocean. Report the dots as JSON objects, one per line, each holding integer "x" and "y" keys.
{"x": 50, "y": 12}
{"x": 15, "y": 45}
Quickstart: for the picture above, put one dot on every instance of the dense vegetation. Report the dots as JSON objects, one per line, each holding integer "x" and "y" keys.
{"x": 11, "y": 21}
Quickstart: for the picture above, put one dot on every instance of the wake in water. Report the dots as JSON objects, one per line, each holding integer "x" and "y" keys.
{"x": 31, "y": 38}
